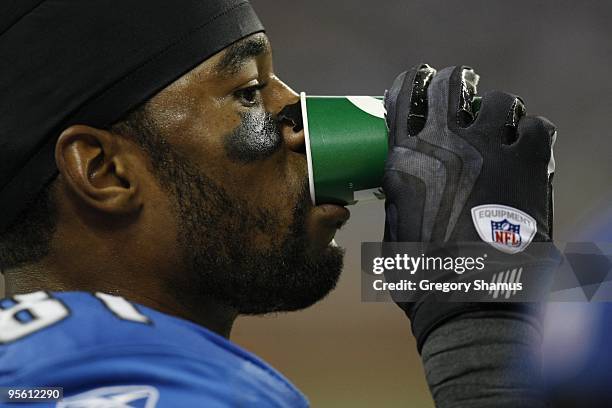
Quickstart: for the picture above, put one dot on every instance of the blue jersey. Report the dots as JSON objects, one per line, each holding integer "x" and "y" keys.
{"x": 107, "y": 352}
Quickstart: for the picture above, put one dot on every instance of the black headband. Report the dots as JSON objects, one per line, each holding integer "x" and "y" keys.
{"x": 64, "y": 62}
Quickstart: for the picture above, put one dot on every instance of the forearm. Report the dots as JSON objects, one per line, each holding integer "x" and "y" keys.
{"x": 484, "y": 359}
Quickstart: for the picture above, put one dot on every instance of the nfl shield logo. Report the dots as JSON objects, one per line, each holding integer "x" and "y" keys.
{"x": 505, "y": 233}
{"x": 512, "y": 234}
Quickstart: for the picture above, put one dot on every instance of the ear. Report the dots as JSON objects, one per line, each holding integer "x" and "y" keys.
{"x": 96, "y": 166}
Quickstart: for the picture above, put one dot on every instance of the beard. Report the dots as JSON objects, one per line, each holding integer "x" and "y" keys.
{"x": 216, "y": 240}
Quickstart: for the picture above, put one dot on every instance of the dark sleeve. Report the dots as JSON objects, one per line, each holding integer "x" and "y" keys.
{"x": 485, "y": 359}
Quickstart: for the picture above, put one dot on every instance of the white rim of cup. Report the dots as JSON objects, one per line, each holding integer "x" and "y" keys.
{"x": 307, "y": 142}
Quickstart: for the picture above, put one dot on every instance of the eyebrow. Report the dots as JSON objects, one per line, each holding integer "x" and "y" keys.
{"x": 239, "y": 53}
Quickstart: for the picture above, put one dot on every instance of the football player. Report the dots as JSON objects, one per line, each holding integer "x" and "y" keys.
{"x": 153, "y": 187}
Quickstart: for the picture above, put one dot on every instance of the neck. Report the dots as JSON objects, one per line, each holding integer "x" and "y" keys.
{"x": 209, "y": 314}
{"x": 212, "y": 315}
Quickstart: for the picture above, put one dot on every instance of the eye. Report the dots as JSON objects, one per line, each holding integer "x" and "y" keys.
{"x": 250, "y": 96}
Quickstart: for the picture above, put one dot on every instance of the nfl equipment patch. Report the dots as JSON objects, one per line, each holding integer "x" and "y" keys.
{"x": 505, "y": 228}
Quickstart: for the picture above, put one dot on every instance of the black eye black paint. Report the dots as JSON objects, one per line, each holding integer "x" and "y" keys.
{"x": 257, "y": 137}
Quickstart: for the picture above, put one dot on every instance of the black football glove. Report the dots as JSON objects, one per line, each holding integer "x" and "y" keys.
{"x": 464, "y": 169}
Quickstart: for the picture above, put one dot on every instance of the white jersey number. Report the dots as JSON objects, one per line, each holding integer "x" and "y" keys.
{"x": 122, "y": 308}
{"x": 29, "y": 313}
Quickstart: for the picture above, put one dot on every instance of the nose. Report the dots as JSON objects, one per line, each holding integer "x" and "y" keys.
{"x": 292, "y": 128}
{"x": 285, "y": 102}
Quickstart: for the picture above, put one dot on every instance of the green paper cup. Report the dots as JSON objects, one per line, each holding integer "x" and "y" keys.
{"x": 346, "y": 147}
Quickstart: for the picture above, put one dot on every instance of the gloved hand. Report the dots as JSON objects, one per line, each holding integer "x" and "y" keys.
{"x": 456, "y": 173}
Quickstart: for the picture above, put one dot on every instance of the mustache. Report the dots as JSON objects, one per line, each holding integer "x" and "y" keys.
{"x": 257, "y": 137}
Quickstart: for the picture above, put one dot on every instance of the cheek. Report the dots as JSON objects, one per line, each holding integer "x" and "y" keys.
{"x": 278, "y": 215}
{"x": 282, "y": 190}
{"x": 271, "y": 191}
{"x": 160, "y": 225}
{"x": 257, "y": 138}
{"x": 247, "y": 159}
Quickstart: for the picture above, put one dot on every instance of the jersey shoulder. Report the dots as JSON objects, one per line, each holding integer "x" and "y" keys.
{"x": 79, "y": 340}
{"x": 72, "y": 321}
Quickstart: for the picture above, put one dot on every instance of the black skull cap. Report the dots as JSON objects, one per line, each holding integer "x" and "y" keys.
{"x": 64, "y": 62}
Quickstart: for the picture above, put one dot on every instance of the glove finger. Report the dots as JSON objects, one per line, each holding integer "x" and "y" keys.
{"x": 451, "y": 96}
{"x": 536, "y": 138}
{"x": 499, "y": 115}
{"x": 417, "y": 116}
{"x": 391, "y": 101}
{"x": 406, "y": 103}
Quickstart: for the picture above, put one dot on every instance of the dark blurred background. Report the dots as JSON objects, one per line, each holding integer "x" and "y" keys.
{"x": 557, "y": 55}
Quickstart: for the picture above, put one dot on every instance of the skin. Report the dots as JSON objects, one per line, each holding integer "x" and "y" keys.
{"x": 117, "y": 230}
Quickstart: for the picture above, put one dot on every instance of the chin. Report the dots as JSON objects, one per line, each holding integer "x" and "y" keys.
{"x": 299, "y": 288}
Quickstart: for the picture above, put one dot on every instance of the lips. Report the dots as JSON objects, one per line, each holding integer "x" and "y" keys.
{"x": 325, "y": 220}
{"x": 332, "y": 215}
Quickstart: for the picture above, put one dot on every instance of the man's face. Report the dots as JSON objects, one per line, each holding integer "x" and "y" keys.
{"x": 236, "y": 177}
